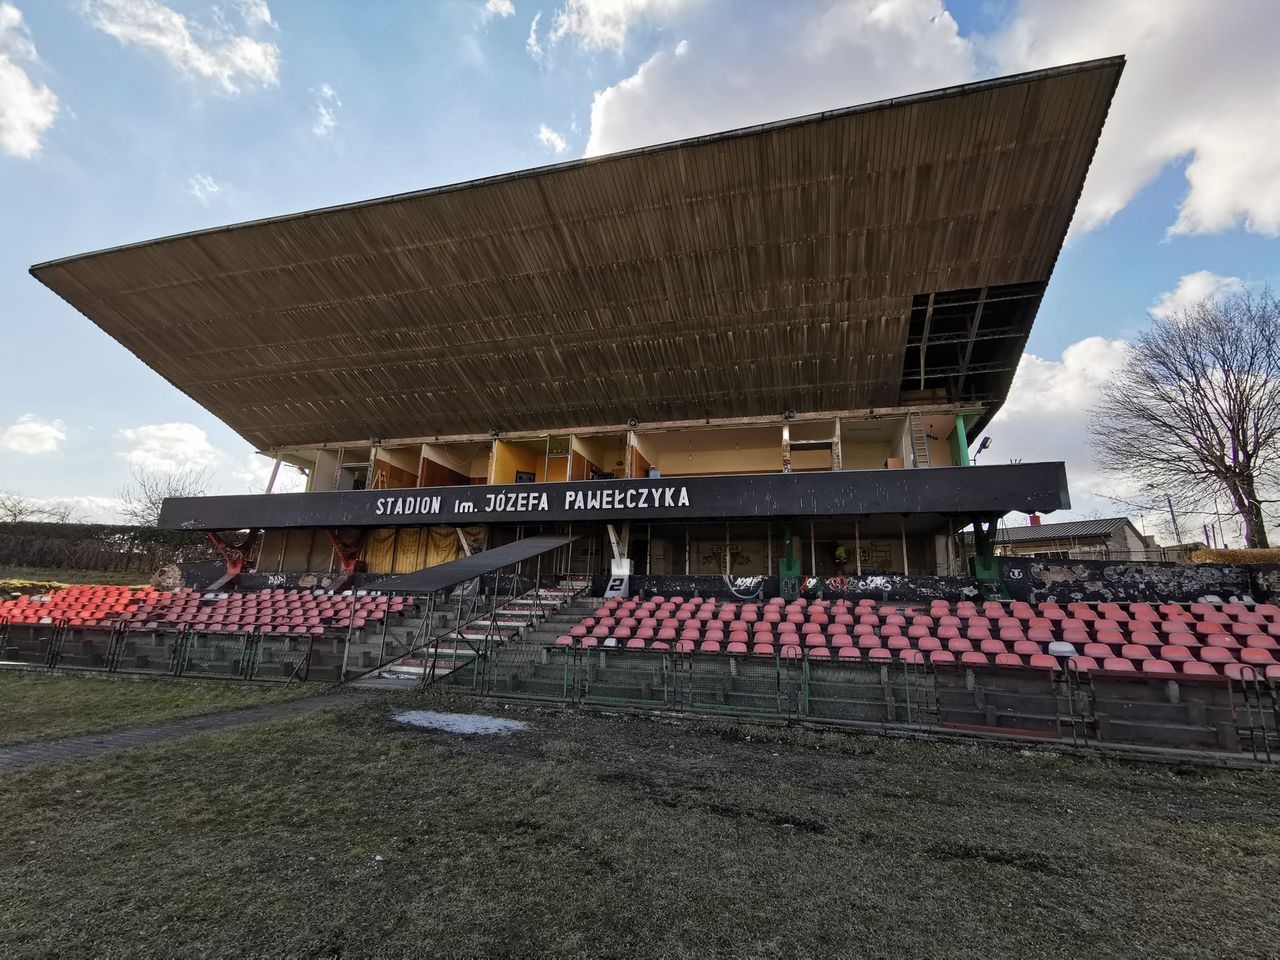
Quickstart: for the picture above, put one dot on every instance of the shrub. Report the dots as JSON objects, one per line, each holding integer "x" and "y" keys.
{"x": 1236, "y": 556}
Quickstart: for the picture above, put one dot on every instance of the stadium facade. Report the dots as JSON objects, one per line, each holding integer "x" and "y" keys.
{"x": 759, "y": 353}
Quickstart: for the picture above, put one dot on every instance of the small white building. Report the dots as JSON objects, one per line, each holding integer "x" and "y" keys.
{"x": 1112, "y": 538}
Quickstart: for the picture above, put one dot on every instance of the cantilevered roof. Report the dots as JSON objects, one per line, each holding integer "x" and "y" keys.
{"x": 858, "y": 258}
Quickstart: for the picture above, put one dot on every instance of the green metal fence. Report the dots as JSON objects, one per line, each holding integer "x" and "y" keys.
{"x": 177, "y": 653}
{"x": 891, "y": 693}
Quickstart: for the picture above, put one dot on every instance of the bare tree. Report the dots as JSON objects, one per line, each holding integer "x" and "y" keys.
{"x": 1194, "y": 413}
{"x": 15, "y": 508}
{"x": 141, "y": 500}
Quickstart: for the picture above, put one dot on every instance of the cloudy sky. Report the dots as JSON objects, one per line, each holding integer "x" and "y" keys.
{"x": 122, "y": 120}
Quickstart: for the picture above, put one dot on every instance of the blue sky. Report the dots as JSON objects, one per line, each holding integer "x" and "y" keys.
{"x": 122, "y": 120}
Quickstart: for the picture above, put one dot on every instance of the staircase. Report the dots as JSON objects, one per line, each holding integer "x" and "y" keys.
{"x": 442, "y": 648}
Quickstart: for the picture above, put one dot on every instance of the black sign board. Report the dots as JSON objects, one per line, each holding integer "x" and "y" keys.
{"x": 953, "y": 491}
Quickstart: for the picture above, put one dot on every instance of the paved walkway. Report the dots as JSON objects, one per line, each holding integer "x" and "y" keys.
{"x": 93, "y": 745}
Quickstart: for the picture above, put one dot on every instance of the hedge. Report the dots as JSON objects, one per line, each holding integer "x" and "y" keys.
{"x": 1236, "y": 556}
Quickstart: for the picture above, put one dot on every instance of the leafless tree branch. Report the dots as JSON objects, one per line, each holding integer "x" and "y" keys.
{"x": 141, "y": 500}
{"x": 1194, "y": 413}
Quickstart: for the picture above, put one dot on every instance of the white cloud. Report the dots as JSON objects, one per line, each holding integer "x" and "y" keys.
{"x": 253, "y": 473}
{"x": 31, "y": 434}
{"x": 210, "y": 52}
{"x": 27, "y": 109}
{"x": 1191, "y": 289}
{"x": 168, "y": 447}
{"x": 326, "y": 118}
{"x": 604, "y": 24}
{"x": 1200, "y": 83}
{"x": 533, "y": 45}
{"x": 1046, "y": 417}
{"x": 497, "y": 8}
{"x": 256, "y": 13}
{"x": 792, "y": 59}
{"x": 203, "y": 187}
{"x": 551, "y": 140}
{"x": 682, "y": 48}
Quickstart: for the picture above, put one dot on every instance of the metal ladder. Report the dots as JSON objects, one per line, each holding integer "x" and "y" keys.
{"x": 54, "y": 654}
{"x": 1250, "y": 711}
{"x": 1073, "y": 700}
{"x": 919, "y": 441}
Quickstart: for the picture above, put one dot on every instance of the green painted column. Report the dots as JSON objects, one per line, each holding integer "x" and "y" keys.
{"x": 960, "y": 443}
{"x": 789, "y": 566}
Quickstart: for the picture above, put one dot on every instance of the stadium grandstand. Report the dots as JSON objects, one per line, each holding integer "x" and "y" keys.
{"x": 686, "y": 426}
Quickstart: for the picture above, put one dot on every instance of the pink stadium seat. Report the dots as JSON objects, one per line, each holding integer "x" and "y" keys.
{"x": 1042, "y": 661}
{"x": 1008, "y": 660}
{"x": 1217, "y": 655}
{"x": 1195, "y": 668}
{"x": 1241, "y": 671}
{"x": 1256, "y": 656}
{"x": 1158, "y": 666}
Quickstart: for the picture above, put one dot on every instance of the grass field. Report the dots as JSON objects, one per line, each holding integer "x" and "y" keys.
{"x": 342, "y": 834}
{"x": 21, "y": 577}
{"x": 42, "y": 707}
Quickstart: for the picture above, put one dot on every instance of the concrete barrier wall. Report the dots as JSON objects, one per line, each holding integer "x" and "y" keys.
{"x": 1098, "y": 581}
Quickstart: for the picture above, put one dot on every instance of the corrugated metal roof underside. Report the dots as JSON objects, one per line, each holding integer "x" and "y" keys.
{"x": 737, "y": 275}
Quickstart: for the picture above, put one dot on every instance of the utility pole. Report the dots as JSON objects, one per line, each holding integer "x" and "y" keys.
{"x": 1177, "y": 535}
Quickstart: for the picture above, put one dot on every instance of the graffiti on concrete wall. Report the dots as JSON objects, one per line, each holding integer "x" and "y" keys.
{"x": 1098, "y": 581}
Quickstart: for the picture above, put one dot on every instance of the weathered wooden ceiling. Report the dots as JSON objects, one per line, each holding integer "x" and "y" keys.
{"x": 746, "y": 273}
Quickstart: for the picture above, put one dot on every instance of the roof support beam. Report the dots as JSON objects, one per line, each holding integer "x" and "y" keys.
{"x": 924, "y": 337}
{"x": 968, "y": 350}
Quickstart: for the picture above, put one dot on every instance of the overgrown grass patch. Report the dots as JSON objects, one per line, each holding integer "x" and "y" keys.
{"x": 41, "y": 706}
{"x": 344, "y": 834}
{"x": 48, "y": 579}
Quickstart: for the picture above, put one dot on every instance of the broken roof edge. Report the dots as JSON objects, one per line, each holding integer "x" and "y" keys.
{"x": 940, "y": 93}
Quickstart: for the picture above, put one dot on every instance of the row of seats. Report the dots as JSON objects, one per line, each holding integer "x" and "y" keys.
{"x": 1197, "y": 641}
{"x": 992, "y": 608}
{"x": 264, "y": 611}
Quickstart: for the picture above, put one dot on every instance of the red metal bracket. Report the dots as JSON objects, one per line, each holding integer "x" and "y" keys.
{"x": 235, "y": 555}
{"x": 348, "y": 553}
